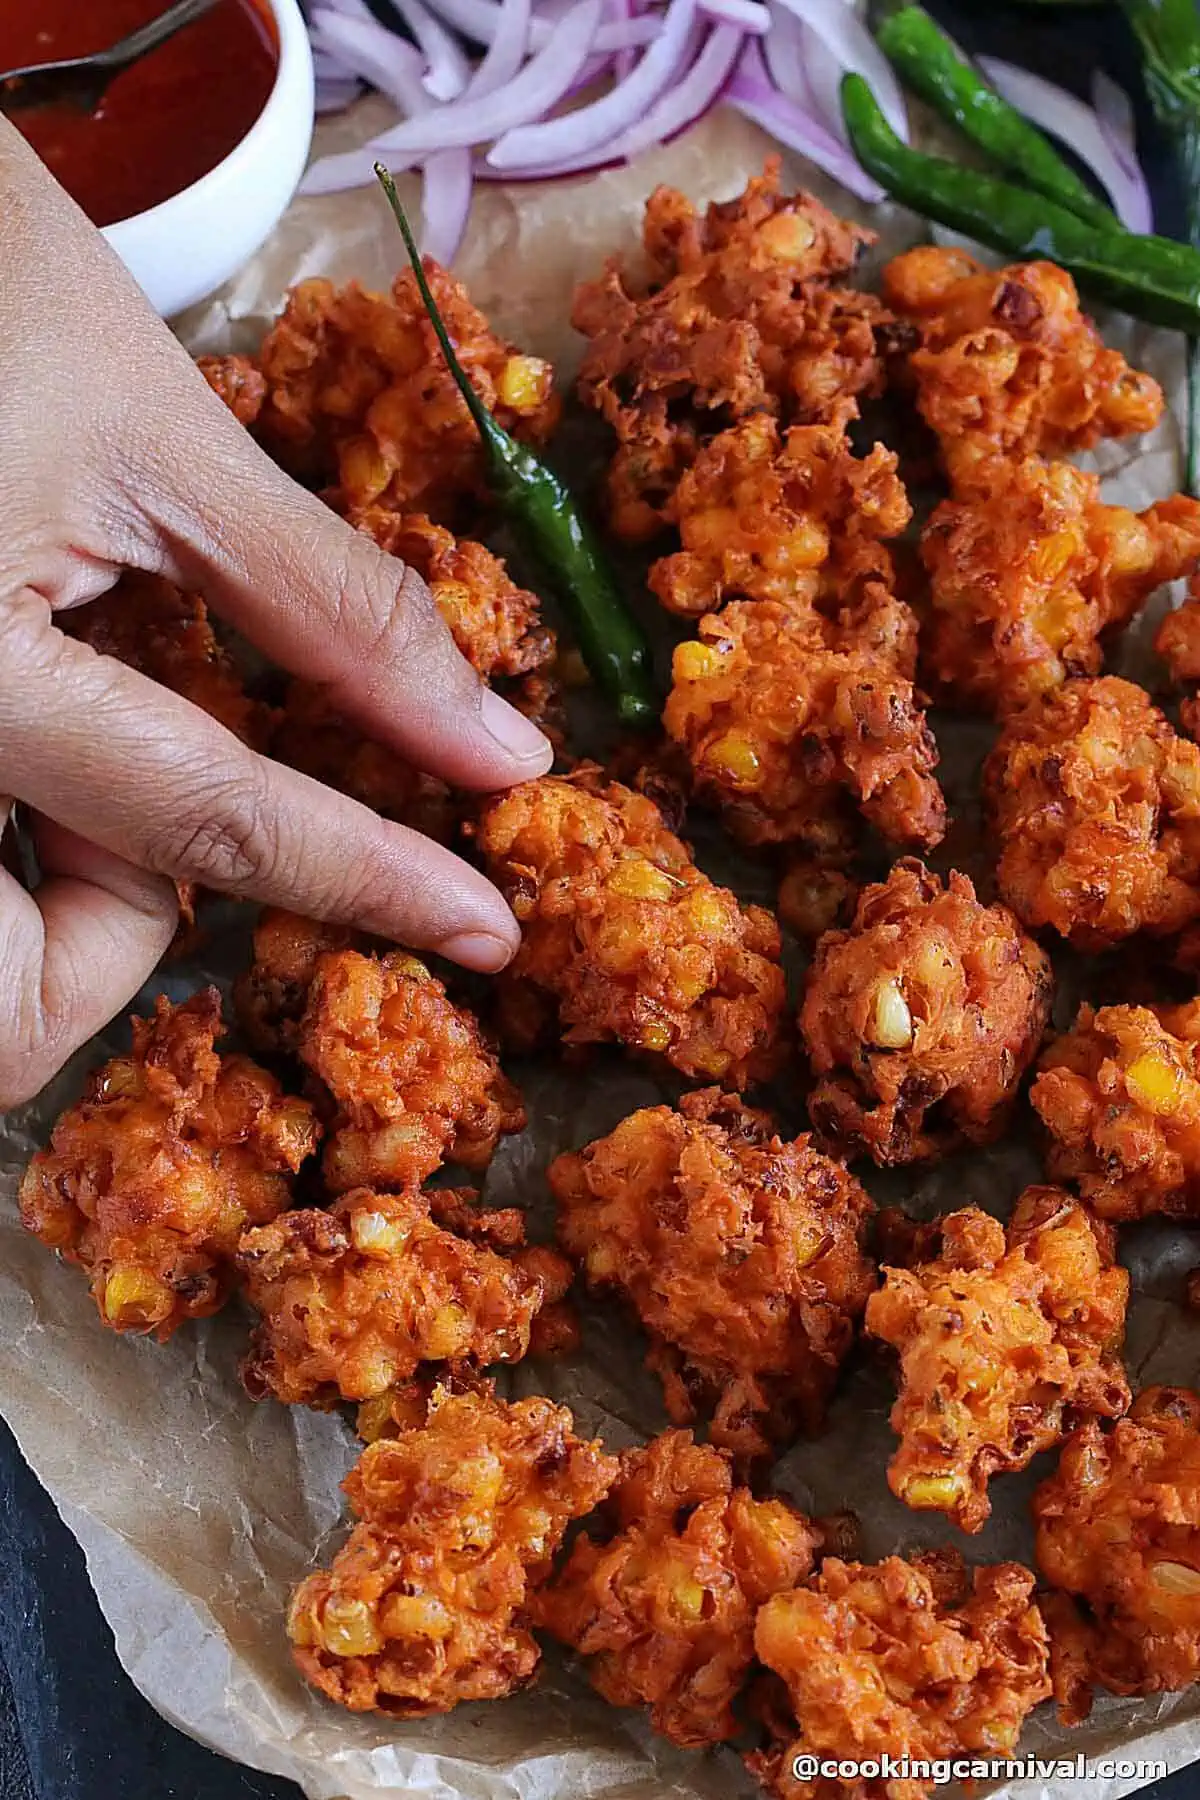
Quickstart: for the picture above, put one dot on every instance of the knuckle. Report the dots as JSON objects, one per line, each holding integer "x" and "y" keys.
{"x": 220, "y": 836}
{"x": 388, "y": 614}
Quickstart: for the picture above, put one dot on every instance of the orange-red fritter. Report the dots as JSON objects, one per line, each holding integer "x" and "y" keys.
{"x": 741, "y": 1254}
{"x": 900, "y": 1658}
{"x": 663, "y": 1606}
{"x": 786, "y": 716}
{"x": 1095, "y": 804}
{"x": 356, "y": 395}
{"x": 1006, "y": 1340}
{"x": 737, "y": 317}
{"x": 1009, "y": 365}
{"x": 921, "y": 1019}
{"x": 794, "y": 517}
{"x": 150, "y": 1180}
{"x": 271, "y": 995}
{"x": 354, "y": 1300}
{"x": 1118, "y": 1536}
{"x": 1178, "y": 643}
{"x": 627, "y": 936}
{"x": 1027, "y": 579}
{"x": 1119, "y": 1095}
{"x": 413, "y": 1080}
{"x": 459, "y": 1518}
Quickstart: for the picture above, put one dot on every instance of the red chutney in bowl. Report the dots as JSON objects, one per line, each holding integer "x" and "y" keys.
{"x": 164, "y": 122}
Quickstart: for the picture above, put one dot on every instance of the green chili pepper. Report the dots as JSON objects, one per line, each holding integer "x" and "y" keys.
{"x": 1169, "y": 34}
{"x": 1151, "y": 277}
{"x": 552, "y": 530}
{"x": 933, "y": 69}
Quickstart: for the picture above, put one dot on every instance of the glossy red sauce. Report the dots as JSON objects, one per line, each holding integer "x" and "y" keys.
{"x": 164, "y": 122}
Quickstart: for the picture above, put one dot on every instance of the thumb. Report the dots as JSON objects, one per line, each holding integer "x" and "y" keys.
{"x": 325, "y": 602}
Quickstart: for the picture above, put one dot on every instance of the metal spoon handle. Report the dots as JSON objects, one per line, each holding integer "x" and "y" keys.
{"x": 148, "y": 37}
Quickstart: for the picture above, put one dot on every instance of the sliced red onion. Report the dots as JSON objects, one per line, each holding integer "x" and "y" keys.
{"x": 506, "y": 52}
{"x": 751, "y": 94}
{"x": 748, "y": 15}
{"x": 824, "y": 69}
{"x": 365, "y": 47}
{"x": 1114, "y": 109}
{"x": 589, "y": 126}
{"x": 445, "y": 204}
{"x": 689, "y": 99}
{"x": 334, "y": 94}
{"x": 1075, "y": 124}
{"x": 354, "y": 9}
{"x": 448, "y": 70}
{"x": 480, "y": 19}
{"x": 621, "y": 11}
{"x": 782, "y": 49}
{"x": 843, "y": 32}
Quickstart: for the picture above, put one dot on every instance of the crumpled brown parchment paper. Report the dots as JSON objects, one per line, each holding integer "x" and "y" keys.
{"x": 198, "y": 1510}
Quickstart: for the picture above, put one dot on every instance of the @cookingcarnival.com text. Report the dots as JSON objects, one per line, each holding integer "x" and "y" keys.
{"x": 941, "y": 1770}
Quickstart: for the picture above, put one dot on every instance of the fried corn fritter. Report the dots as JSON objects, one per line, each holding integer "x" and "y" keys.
{"x": 921, "y": 1019}
{"x": 1027, "y": 579}
{"x": 1119, "y": 1095}
{"x": 1095, "y": 803}
{"x": 627, "y": 936}
{"x": 149, "y": 1181}
{"x": 357, "y": 398}
{"x": 785, "y": 717}
{"x": 1009, "y": 366}
{"x": 413, "y": 1080}
{"x": 1178, "y": 643}
{"x": 899, "y": 1658}
{"x": 736, "y": 318}
{"x": 741, "y": 1255}
{"x": 496, "y": 624}
{"x": 663, "y": 1606}
{"x": 1118, "y": 1536}
{"x": 164, "y": 633}
{"x": 788, "y": 517}
{"x": 353, "y": 1300}
{"x": 1007, "y": 1339}
{"x": 459, "y": 1519}
{"x": 271, "y": 995}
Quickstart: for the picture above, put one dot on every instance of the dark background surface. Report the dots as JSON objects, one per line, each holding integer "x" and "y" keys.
{"x": 72, "y": 1726}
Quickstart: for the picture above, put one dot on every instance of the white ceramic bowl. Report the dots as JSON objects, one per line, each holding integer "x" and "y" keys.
{"x": 182, "y": 250}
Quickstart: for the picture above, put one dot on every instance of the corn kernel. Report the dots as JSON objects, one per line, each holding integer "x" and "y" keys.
{"x": 1050, "y": 555}
{"x": 133, "y": 1297}
{"x": 931, "y": 1491}
{"x": 1154, "y": 1083}
{"x": 447, "y": 1331}
{"x": 121, "y": 1080}
{"x": 787, "y": 235}
{"x": 374, "y": 1417}
{"x": 601, "y": 1262}
{"x": 300, "y": 1625}
{"x": 411, "y": 967}
{"x": 637, "y": 879}
{"x": 375, "y": 1234}
{"x": 655, "y": 1036}
{"x": 713, "y": 529}
{"x": 347, "y": 1628}
{"x": 705, "y": 910}
{"x": 370, "y": 1374}
{"x": 689, "y": 1598}
{"x": 453, "y": 600}
{"x": 414, "y": 1615}
{"x": 711, "y": 1060}
{"x": 734, "y": 758}
{"x": 891, "y": 1021}
{"x": 696, "y": 662}
{"x": 806, "y": 1244}
{"x": 365, "y": 471}
{"x": 523, "y": 381}
{"x": 1176, "y": 1578}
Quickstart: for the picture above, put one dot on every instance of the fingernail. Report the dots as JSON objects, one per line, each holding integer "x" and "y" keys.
{"x": 477, "y": 950}
{"x": 515, "y": 734}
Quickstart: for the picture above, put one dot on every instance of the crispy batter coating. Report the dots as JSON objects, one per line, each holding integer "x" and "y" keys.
{"x": 1009, "y": 366}
{"x": 271, "y": 995}
{"x": 663, "y": 1606}
{"x": 312, "y": 736}
{"x": 899, "y": 1658}
{"x": 353, "y": 1300}
{"x": 1007, "y": 1339}
{"x": 770, "y": 517}
{"x": 1095, "y": 803}
{"x": 150, "y": 1180}
{"x": 784, "y": 714}
{"x": 741, "y": 1254}
{"x": 459, "y": 1519}
{"x": 414, "y": 1082}
{"x": 1178, "y": 643}
{"x": 737, "y": 318}
{"x": 164, "y": 633}
{"x": 816, "y": 894}
{"x": 627, "y": 935}
{"x": 1120, "y": 1096}
{"x": 1118, "y": 1535}
{"x": 1026, "y": 580}
{"x": 495, "y": 624}
{"x": 921, "y": 1018}
{"x": 358, "y": 397}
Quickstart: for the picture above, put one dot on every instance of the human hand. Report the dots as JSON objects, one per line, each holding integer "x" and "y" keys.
{"x": 115, "y": 454}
